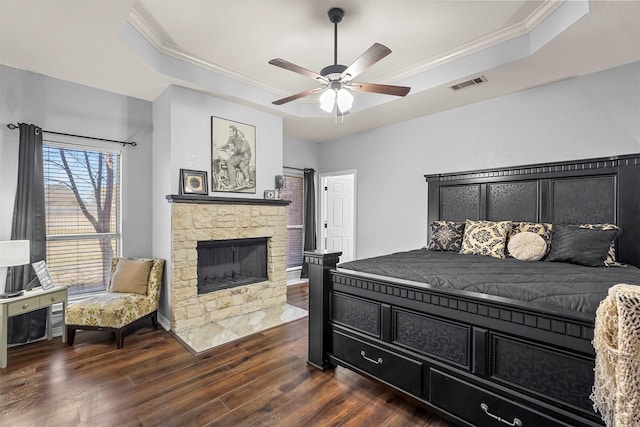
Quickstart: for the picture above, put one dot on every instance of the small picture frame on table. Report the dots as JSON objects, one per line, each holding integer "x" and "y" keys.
{"x": 193, "y": 182}
{"x": 42, "y": 271}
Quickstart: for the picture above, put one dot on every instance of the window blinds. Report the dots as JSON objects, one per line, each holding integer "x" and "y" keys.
{"x": 82, "y": 200}
{"x": 294, "y": 191}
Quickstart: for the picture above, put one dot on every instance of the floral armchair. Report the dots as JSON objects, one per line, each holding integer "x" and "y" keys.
{"x": 134, "y": 292}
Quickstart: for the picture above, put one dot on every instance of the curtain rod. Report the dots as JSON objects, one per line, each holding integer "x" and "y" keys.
{"x": 298, "y": 169}
{"x": 132, "y": 143}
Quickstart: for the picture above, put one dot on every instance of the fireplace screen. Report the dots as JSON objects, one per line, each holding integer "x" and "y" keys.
{"x": 225, "y": 264}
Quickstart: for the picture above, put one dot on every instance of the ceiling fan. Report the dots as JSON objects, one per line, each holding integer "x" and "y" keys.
{"x": 337, "y": 80}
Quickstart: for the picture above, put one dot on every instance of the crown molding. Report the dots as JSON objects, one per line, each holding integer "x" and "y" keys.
{"x": 153, "y": 37}
{"x": 501, "y": 36}
{"x": 147, "y": 30}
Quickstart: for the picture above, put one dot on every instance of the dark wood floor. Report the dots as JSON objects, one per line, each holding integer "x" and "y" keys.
{"x": 261, "y": 380}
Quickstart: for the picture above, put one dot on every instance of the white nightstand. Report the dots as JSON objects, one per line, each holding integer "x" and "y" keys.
{"x": 30, "y": 301}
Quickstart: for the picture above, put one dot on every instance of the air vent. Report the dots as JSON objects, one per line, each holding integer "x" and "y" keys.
{"x": 468, "y": 83}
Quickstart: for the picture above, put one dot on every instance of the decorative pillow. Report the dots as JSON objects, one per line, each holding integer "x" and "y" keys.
{"x": 485, "y": 238}
{"x": 542, "y": 229}
{"x": 527, "y": 246}
{"x": 131, "y": 276}
{"x": 578, "y": 245}
{"x": 446, "y": 236}
{"x": 611, "y": 254}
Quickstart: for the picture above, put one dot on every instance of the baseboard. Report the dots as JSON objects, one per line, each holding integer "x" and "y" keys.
{"x": 293, "y": 275}
{"x": 164, "y": 322}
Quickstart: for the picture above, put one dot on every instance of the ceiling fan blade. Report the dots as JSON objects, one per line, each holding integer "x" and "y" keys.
{"x": 376, "y": 88}
{"x": 297, "y": 69}
{"x": 374, "y": 54}
{"x": 298, "y": 95}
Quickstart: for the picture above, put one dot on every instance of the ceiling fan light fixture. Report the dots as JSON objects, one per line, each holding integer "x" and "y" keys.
{"x": 337, "y": 80}
{"x": 344, "y": 100}
{"x": 327, "y": 100}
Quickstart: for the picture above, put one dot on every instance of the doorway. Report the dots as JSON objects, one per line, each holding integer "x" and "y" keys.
{"x": 338, "y": 213}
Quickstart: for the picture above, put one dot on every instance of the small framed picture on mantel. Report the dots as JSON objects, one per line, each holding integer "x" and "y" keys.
{"x": 193, "y": 182}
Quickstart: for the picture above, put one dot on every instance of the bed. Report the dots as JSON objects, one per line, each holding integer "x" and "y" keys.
{"x": 485, "y": 341}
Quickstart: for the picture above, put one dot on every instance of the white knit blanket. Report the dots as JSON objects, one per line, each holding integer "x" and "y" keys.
{"x": 616, "y": 390}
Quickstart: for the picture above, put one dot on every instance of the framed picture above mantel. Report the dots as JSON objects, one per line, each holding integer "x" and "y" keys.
{"x": 233, "y": 156}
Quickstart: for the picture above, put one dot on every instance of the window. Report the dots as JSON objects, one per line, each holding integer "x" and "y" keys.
{"x": 294, "y": 191}
{"x": 82, "y": 205}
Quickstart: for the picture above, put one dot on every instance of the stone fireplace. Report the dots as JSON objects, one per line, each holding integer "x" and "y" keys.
{"x": 218, "y": 221}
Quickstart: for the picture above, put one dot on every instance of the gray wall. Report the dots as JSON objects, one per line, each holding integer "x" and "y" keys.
{"x": 590, "y": 116}
{"x": 67, "y": 107}
{"x": 298, "y": 153}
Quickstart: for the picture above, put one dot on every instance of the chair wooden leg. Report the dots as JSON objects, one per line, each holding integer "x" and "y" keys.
{"x": 119, "y": 338}
{"x": 118, "y": 333}
{"x": 71, "y": 334}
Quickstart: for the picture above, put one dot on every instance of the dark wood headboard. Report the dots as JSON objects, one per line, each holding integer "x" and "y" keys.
{"x": 603, "y": 190}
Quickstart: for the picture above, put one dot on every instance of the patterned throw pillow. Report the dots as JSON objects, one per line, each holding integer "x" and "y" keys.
{"x": 611, "y": 254}
{"x": 446, "y": 236}
{"x": 542, "y": 229}
{"x": 485, "y": 238}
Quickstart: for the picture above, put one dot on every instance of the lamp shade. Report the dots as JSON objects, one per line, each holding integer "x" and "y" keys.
{"x": 327, "y": 100}
{"x": 345, "y": 100}
{"x": 336, "y": 95}
{"x": 14, "y": 252}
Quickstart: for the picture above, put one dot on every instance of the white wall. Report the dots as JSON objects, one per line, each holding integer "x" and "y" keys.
{"x": 67, "y": 107}
{"x": 597, "y": 115}
{"x": 182, "y": 138}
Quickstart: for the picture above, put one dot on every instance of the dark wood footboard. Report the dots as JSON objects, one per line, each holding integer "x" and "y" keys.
{"x": 475, "y": 358}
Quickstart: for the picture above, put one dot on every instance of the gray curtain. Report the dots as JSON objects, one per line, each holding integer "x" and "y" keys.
{"x": 309, "y": 216}
{"x": 28, "y": 224}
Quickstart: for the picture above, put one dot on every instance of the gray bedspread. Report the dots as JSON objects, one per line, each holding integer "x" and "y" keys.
{"x": 568, "y": 286}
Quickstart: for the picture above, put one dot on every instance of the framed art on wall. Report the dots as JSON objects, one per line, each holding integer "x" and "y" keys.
{"x": 233, "y": 156}
{"x": 193, "y": 182}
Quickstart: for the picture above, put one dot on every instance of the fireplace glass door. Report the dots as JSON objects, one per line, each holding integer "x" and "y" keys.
{"x": 224, "y": 264}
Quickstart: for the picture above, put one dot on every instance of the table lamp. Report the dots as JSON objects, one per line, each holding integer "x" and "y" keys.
{"x": 14, "y": 253}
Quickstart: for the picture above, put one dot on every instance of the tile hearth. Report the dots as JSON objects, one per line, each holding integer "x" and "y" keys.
{"x": 213, "y": 334}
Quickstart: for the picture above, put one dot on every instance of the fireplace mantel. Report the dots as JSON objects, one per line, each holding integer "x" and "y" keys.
{"x": 199, "y": 199}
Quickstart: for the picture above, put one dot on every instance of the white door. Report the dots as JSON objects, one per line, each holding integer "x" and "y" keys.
{"x": 340, "y": 215}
